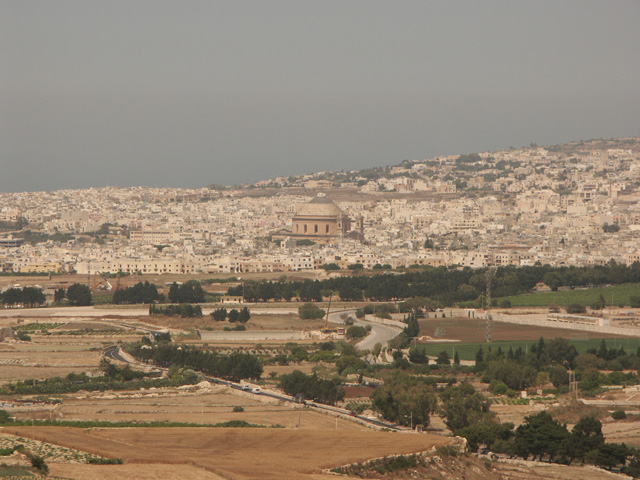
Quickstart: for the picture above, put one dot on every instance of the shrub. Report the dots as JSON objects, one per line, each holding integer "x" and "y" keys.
{"x": 356, "y": 332}
{"x": 619, "y": 415}
{"x": 309, "y": 311}
{"x": 238, "y": 409}
{"x": 4, "y": 417}
{"x": 505, "y": 303}
{"x": 38, "y": 463}
{"x": 576, "y": 308}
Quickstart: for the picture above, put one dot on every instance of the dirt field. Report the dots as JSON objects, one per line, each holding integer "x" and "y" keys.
{"x": 210, "y": 405}
{"x": 52, "y": 355}
{"x": 521, "y": 470}
{"x": 237, "y": 453}
{"x": 147, "y": 471}
{"x": 473, "y": 330}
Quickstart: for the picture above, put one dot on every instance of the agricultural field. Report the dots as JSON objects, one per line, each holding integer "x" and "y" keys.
{"x": 615, "y": 295}
{"x": 465, "y": 329}
{"x": 52, "y": 355}
{"x": 202, "y": 404}
{"x": 465, "y": 336}
{"x": 467, "y": 350}
{"x": 236, "y": 453}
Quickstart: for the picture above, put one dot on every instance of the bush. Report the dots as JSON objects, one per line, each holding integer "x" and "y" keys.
{"x": 497, "y": 387}
{"x": 576, "y": 308}
{"x": 309, "y": 311}
{"x": 238, "y": 409}
{"x": 356, "y": 332}
{"x": 4, "y": 417}
{"x": 619, "y": 415}
{"x": 38, "y": 463}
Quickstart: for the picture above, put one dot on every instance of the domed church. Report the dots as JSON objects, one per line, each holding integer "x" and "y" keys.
{"x": 322, "y": 222}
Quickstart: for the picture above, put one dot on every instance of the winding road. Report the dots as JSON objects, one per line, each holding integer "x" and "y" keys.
{"x": 379, "y": 333}
{"x": 114, "y": 353}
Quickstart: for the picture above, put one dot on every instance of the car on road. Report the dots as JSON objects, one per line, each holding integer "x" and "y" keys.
{"x": 256, "y": 390}
{"x": 246, "y": 388}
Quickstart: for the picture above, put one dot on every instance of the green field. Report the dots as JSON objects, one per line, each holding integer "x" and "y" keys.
{"x": 617, "y": 295}
{"x": 467, "y": 351}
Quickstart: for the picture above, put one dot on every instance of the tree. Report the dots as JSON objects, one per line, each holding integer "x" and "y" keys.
{"x": 309, "y": 311}
{"x": 558, "y": 376}
{"x": 244, "y": 316}
{"x": 418, "y": 355}
{"x": 356, "y": 332}
{"x": 79, "y": 295}
{"x": 219, "y": 314}
{"x": 234, "y": 315}
{"x": 330, "y": 266}
{"x": 59, "y": 295}
{"x": 324, "y": 391}
{"x": 585, "y": 437}
{"x": 540, "y": 435}
{"x": 575, "y": 308}
{"x": 38, "y": 463}
{"x": 174, "y": 293}
{"x": 443, "y": 358}
{"x": 462, "y": 406}
{"x": 413, "y": 327}
{"x": 611, "y": 455}
{"x": 403, "y": 398}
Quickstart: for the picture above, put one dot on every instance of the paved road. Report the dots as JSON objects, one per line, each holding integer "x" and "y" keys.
{"x": 379, "y": 333}
{"x": 114, "y": 354}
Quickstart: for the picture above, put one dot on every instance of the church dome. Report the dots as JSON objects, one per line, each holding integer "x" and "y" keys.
{"x": 319, "y": 207}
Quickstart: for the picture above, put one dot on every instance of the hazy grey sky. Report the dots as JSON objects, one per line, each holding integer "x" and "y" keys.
{"x": 189, "y": 93}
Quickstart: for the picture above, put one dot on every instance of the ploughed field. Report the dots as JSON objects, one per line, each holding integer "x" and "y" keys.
{"x": 238, "y": 453}
{"x": 473, "y": 330}
{"x": 201, "y": 404}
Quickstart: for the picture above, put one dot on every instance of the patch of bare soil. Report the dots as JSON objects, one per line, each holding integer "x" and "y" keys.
{"x": 241, "y": 453}
{"x": 522, "y": 470}
{"x": 127, "y": 472}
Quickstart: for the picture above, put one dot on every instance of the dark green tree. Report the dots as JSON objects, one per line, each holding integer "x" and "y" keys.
{"x": 79, "y": 295}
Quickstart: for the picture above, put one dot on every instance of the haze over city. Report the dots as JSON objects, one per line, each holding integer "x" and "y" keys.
{"x": 186, "y": 95}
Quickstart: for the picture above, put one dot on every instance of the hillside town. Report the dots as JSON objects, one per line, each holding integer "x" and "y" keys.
{"x": 573, "y": 204}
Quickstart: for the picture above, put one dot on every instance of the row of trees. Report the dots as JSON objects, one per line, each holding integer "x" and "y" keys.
{"x": 235, "y": 366}
{"x": 540, "y": 436}
{"x": 312, "y": 387}
{"x": 27, "y": 296}
{"x": 140, "y": 293}
{"x": 442, "y": 285}
{"x": 185, "y": 310}
{"x": 241, "y": 316}
{"x": 188, "y": 292}
{"x": 550, "y": 361}
{"x": 78, "y": 295}
{"x": 405, "y": 399}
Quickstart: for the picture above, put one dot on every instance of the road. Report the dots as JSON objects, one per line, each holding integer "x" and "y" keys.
{"x": 114, "y": 353}
{"x": 379, "y": 333}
